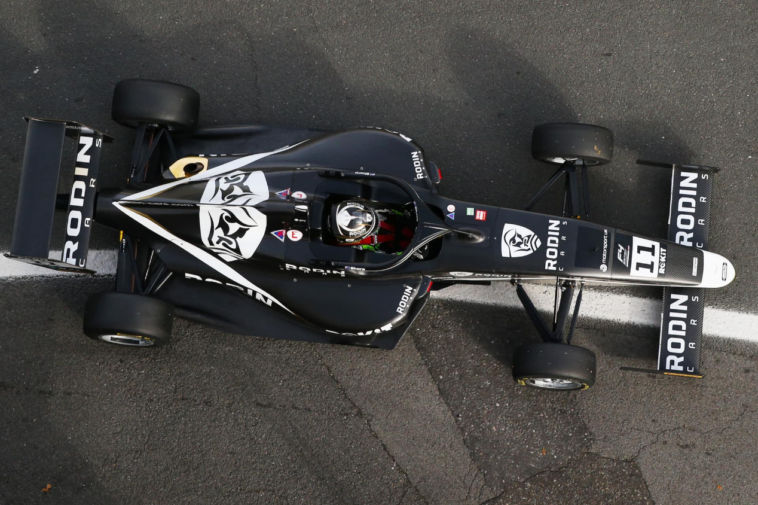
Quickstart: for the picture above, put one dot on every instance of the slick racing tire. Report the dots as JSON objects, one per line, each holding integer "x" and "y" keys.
{"x": 554, "y": 366}
{"x": 138, "y": 101}
{"x": 572, "y": 142}
{"x": 127, "y": 319}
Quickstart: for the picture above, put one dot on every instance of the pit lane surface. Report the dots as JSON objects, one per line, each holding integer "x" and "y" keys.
{"x": 219, "y": 418}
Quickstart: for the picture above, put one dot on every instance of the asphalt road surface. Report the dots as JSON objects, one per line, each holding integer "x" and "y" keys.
{"x": 218, "y": 418}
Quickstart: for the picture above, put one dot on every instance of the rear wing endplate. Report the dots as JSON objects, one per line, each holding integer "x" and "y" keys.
{"x": 38, "y": 192}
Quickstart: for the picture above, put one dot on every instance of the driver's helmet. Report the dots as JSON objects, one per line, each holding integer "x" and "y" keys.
{"x": 353, "y": 220}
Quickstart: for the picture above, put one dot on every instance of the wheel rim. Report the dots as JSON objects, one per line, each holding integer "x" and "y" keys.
{"x": 128, "y": 340}
{"x": 575, "y": 161}
{"x": 547, "y": 383}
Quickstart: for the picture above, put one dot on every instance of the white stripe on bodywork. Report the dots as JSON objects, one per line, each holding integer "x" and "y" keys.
{"x": 206, "y": 257}
{"x": 214, "y": 172}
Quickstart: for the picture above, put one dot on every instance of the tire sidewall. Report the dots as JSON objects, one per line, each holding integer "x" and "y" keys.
{"x": 164, "y": 103}
{"x": 128, "y": 315}
{"x": 542, "y": 360}
{"x": 591, "y": 143}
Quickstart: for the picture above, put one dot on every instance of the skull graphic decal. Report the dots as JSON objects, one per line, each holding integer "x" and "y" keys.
{"x": 519, "y": 241}
{"x": 233, "y": 233}
{"x": 229, "y": 224}
{"x": 236, "y": 188}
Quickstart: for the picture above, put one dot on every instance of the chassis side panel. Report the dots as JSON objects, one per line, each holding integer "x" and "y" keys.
{"x": 231, "y": 310}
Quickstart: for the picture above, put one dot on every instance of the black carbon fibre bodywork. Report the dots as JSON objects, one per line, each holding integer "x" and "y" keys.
{"x": 242, "y": 241}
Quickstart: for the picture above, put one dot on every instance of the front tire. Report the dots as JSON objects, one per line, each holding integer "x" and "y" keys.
{"x": 138, "y": 101}
{"x": 127, "y": 319}
{"x": 572, "y": 142}
{"x": 554, "y": 366}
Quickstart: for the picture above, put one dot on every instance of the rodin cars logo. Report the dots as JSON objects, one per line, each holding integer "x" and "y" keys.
{"x": 518, "y": 241}
{"x": 79, "y": 217}
{"x": 418, "y": 165}
{"x": 406, "y": 299}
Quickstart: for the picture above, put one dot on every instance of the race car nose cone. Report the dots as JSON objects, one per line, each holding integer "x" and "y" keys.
{"x": 717, "y": 271}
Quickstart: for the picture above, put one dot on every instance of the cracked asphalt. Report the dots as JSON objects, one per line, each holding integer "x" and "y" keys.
{"x": 217, "y": 418}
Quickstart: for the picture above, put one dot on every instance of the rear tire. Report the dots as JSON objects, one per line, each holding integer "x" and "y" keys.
{"x": 577, "y": 142}
{"x": 127, "y": 319}
{"x": 138, "y": 101}
{"x": 554, "y": 366}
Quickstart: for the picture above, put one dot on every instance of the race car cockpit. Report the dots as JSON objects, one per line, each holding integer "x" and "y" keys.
{"x": 371, "y": 226}
{"x": 366, "y": 213}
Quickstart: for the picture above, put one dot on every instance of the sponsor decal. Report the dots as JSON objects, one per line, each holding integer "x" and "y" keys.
{"x": 279, "y": 234}
{"x": 405, "y": 300}
{"x": 553, "y": 244}
{"x": 299, "y": 195}
{"x": 76, "y": 222}
{"x": 309, "y": 270}
{"x": 451, "y": 208}
{"x": 481, "y": 215}
{"x": 518, "y": 241}
{"x": 593, "y": 248}
{"x": 294, "y": 235}
{"x": 623, "y": 254}
{"x": 604, "y": 260}
{"x": 283, "y": 193}
{"x": 686, "y": 205}
{"x": 301, "y": 208}
{"x": 418, "y": 165}
{"x": 451, "y": 216}
{"x": 676, "y": 332}
{"x": 469, "y": 211}
{"x": 645, "y": 257}
{"x": 662, "y": 261}
{"x": 471, "y": 275}
{"x": 236, "y": 188}
{"x": 386, "y": 327}
{"x": 694, "y": 266}
{"x": 249, "y": 292}
{"x": 232, "y": 232}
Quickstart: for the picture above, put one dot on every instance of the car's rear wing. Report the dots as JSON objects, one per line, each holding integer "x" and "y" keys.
{"x": 38, "y": 193}
{"x": 683, "y": 308}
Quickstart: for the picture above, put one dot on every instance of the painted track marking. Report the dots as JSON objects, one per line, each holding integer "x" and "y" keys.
{"x": 597, "y": 304}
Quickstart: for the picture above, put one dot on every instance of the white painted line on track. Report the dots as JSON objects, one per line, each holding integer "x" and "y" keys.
{"x": 102, "y": 262}
{"x": 596, "y": 304}
{"x": 606, "y": 306}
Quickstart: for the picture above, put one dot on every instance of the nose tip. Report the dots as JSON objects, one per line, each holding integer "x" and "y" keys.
{"x": 717, "y": 271}
{"x": 728, "y": 273}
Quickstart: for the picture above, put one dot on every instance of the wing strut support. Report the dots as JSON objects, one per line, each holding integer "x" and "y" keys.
{"x": 560, "y": 315}
{"x": 572, "y": 206}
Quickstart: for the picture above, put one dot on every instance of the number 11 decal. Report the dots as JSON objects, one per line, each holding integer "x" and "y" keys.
{"x": 644, "y": 258}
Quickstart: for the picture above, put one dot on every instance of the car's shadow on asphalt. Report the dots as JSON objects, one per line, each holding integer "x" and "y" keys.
{"x": 37, "y": 451}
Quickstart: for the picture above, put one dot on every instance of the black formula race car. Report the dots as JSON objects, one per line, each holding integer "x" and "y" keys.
{"x": 339, "y": 237}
